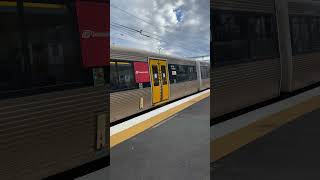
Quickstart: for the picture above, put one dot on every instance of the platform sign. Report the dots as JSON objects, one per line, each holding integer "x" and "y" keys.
{"x": 141, "y": 70}
{"x": 93, "y": 22}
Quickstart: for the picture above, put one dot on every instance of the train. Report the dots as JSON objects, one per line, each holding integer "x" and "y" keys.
{"x": 261, "y": 50}
{"x": 53, "y": 94}
{"x": 141, "y": 80}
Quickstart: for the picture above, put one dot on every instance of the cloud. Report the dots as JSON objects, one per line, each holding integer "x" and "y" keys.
{"x": 178, "y": 27}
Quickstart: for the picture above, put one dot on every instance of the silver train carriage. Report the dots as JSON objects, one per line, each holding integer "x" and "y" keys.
{"x": 261, "y": 50}
{"x": 140, "y": 80}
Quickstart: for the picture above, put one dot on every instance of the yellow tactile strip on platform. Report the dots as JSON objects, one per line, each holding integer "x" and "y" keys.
{"x": 130, "y": 132}
{"x": 225, "y": 145}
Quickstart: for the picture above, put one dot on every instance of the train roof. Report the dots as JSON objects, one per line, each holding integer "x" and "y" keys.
{"x": 152, "y": 54}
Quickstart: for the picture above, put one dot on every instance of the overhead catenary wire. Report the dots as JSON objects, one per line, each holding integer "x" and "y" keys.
{"x": 132, "y": 15}
{"x": 139, "y": 18}
{"x": 124, "y": 31}
{"x": 141, "y": 32}
{"x": 155, "y": 36}
{"x": 159, "y": 38}
{"x": 128, "y": 32}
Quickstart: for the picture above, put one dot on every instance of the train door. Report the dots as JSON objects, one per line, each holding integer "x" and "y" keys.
{"x": 164, "y": 79}
{"x": 160, "y": 84}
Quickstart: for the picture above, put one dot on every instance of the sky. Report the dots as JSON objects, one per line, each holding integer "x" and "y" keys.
{"x": 175, "y": 27}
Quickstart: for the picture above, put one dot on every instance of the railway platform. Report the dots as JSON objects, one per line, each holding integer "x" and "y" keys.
{"x": 279, "y": 141}
{"x": 171, "y": 142}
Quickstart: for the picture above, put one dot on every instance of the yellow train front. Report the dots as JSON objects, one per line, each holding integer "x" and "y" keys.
{"x": 141, "y": 80}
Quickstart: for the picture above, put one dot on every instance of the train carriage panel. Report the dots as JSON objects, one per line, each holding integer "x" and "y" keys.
{"x": 178, "y": 90}
{"x": 245, "y": 57}
{"x": 242, "y": 85}
{"x": 127, "y": 103}
{"x": 306, "y": 70}
{"x": 305, "y": 43}
{"x": 47, "y": 128}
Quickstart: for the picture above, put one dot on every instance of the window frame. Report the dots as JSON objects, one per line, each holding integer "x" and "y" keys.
{"x": 164, "y": 80}
{"x": 311, "y": 48}
{"x": 144, "y": 85}
{"x": 187, "y": 73}
{"x": 28, "y": 89}
{"x": 247, "y": 15}
{"x": 117, "y": 73}
{"x": 206, "y": 71}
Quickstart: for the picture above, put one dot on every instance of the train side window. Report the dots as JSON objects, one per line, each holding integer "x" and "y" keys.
{"x": 53, "y": 53}
{"x": 315, "y": 33}
{"x": 263, "y": 37}
{"x": 240, "y": 37}
{"x": 172, "y": 73}
{"x": 192, "y": 73}
{"x": 300, "y": 34}
{"x": 125, "y": 75}
{"x": 12, "y": 67}
{"x": 182, "y": 73}
{"x": 113, "y": 76}
{"x": 204, "y": 72}
{"x": 155, "y": 74}
{"x": 230, "y": 36}
{"x": 122, "y": 76}
{"x": 164, "y": 75}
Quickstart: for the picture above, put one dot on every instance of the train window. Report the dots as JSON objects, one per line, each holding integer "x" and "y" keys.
{"x": 125, "y": 75}
{"x": 263, "y": 37}
{"x": 173, "y": 73}
{"x": 164, "y": 75}
{"x": 155, "y": 74}
{"x": 230, "y": 36}
{"x": 53, "y": 55}
{"x": 204, "y": 72}
{"x": 315, "y": 33}
{"x": 240, "y": 36}
{"x": 122, "y": 76}
{"x": 113, "y": 76}
{"x": 187, "y": 73}
{"x": 12, "y": 68}
{"x": 300, "y": 34}
{"x": 182, "y": 73}
{"x": 192, "y": 73}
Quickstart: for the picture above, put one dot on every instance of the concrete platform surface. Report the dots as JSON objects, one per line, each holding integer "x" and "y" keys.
{"x": 177, "y": 148}
{"x": 289, "y": 152}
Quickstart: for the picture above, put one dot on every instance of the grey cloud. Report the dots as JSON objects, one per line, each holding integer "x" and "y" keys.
{"x": 190, "y": 37}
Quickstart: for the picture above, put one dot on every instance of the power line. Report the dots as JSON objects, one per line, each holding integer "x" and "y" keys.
{"x": 145, "y": 33}
{"x": 132, "y": 15}
{"x": 141, "y": 32}
{"x": 126, "y": 33}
